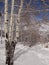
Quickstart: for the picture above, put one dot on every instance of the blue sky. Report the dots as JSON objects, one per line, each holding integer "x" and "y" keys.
{"x": 38, "y": 6}
{"x": 1, "y": 6}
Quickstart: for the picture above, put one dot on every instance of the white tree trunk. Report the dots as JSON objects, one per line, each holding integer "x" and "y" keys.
{"x": 11, "y": 22}
{"x": 10, "y": 44}
{"x": 18, "y": 20}
{"x": 6, "y": 17}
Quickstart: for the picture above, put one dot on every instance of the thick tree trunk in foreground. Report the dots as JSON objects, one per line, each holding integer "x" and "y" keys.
{"x": 10, "y": 52}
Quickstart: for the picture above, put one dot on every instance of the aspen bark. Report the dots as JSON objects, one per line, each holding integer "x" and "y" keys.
{"x": 6, "y": 15}
{"x": 18, "y": 21}
{"x": 9, "y": 42}
{"x": 11, "y": 22}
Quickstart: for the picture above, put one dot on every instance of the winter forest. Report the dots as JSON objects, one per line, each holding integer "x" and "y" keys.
{"x": 24, "y": 32}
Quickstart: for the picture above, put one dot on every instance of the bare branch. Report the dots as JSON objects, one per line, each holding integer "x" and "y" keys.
{"x": 45, "y": 3}
{"x": 28, "y": 4}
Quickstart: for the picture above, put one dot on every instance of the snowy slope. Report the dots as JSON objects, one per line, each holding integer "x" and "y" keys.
{"x": 2, "y": 52}
{"x": 24, "y": 55}
{"x": 33, "y": 56}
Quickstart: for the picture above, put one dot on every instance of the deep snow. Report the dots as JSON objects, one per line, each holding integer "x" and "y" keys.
{"x": 37, "y": 55}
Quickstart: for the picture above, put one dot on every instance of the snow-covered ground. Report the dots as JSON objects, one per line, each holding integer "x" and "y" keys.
{"x": 44, "y": 29}
{"x": 2, "y": 52}
{"x": 37, "y": 55}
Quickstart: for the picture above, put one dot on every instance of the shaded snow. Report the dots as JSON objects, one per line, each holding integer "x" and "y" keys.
{"x": 34, "y": 56}
{"x": 24, "y": 55}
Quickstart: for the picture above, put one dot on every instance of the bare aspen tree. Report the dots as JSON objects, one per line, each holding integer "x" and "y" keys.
{"x": 10, "y": 45}
{"x": 8, "y": 34}
{"x": 6, "y": 27}
{"x": 18, "y": 20}
{"x": 11, "y": 21}
{"x": 6, "y": 14}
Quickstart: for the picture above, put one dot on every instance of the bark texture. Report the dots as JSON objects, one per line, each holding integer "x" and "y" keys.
{"x": 10, "y": 48}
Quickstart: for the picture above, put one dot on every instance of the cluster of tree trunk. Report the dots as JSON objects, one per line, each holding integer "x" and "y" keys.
{"x": 10, "y": 48}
